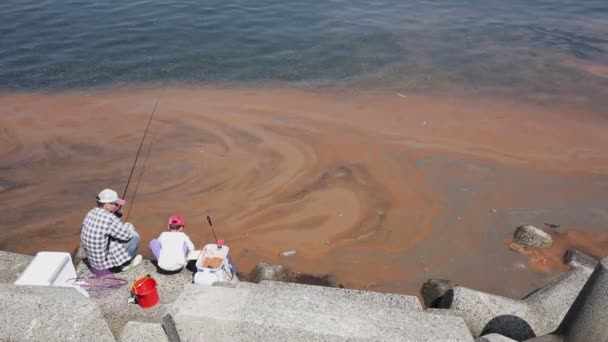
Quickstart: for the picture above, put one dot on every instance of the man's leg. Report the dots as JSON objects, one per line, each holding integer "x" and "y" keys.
{"x": 155, "y": 247}
{"x": 133, "y": 244}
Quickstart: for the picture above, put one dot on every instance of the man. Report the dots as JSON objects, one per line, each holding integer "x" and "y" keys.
{"x": 108, "y": 242}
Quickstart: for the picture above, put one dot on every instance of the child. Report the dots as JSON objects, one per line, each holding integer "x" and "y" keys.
{"x": 172, "y": 247}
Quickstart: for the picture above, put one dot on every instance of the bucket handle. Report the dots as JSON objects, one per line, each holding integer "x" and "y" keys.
{"x": 134, "y": 288}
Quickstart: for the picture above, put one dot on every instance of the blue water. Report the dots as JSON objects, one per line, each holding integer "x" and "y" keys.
{"x": 513, "y": 47}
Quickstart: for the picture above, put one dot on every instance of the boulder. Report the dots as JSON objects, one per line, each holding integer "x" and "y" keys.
{"x": 530, "y": 236}
{"x": 433, "y": 290}
{"x": 264, "y": 271}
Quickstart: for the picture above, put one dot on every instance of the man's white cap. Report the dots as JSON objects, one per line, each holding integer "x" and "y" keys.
{"x": 109, "y": 196}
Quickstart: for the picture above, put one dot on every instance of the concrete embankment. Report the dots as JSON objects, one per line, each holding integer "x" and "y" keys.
{"x": 279, "y": 311}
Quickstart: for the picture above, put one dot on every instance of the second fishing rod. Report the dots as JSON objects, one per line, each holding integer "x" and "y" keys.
{"x": 119, "y": 212}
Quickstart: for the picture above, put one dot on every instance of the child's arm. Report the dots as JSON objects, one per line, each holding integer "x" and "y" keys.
{"x": 189, "y": 243}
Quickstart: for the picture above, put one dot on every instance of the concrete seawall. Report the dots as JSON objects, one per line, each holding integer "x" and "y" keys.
{"x": 279, "y": 311}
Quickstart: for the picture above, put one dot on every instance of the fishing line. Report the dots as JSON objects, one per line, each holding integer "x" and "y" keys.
{"x": 119, "y": 213}
{"x": 141, "y": 144}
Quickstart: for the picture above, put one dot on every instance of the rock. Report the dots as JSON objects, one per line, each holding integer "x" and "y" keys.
{"x": 79, "y": 256}
{"x": 264, "y": 271}
{"x": 12, "y": 265}
{"x": 433, "y": 290}
{"x": 530, "y": 236}
{"x": 44, "y": 313}
{"x": 140, "y": 331}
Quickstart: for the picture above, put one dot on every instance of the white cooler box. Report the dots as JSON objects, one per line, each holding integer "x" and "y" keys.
{"x": 50, "y": 269}
{"x": 214, "y": 265}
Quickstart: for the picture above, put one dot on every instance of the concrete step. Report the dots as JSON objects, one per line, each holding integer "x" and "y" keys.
{"x": 336, "y": 297}
{"x": 113, "y": 302}
{"x": 12, "y": 265}
{"x": 45, "y": 313}
{"x": 281, "y": 312}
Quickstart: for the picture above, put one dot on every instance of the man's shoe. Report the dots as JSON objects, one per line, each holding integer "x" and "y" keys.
{"x": 136, "y": 261}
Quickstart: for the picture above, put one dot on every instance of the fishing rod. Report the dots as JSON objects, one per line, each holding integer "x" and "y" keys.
{"x": 141, "y": 144}
{"x": 213, "y": 231}
{"x": 203, "y": 242}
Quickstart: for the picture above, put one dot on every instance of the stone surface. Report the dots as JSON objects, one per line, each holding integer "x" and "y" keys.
{"x": 41, "y": 313}
{"x": 264, "y": 271}
{"x": 11, "y": 266}
{"x": 547, "y": 338}
{"x": 480, "y": 309}
{"x": 549, "y": 305}
{"x": 140, "y": 331}
{"x": 494, "y": 338}
{"x": 587, "y": 319}
{"x": 433, "y": 290}
{"x": 530, "y": 236}
{"x": 113, "y": 302}
{"x": 278, "y": 312}
{"x": 575, "y": 258}
{"x": 537, "y": 314}
{"x": 345, "y": 297}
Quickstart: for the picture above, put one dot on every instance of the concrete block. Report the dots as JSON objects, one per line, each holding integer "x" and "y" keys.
{"x": 494, "y": 338}
{"x": 40, "y": 313}
{"x": 12, "y": 265}
{"x": 140, "y": 331}
{"x": 485, "y": 313}
{"x": 113, "y": 302}
{"x": 338, "y": 296}
{"x": 575, "y": 258}
{"x": 549, "y": 305}
{"x": 547, "y": 338}
{"x": 433, "y": 290}
{"x": 280, "y": 313}
{"x": 537, "y": 314}
{"x": 587, "y": 319}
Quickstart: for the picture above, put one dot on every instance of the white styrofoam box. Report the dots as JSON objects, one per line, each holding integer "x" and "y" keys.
{"x": 193, "y": 255}
{"x": 50, "y": 269}
{"x": 208, "y": 276}
{"x": 212, "y": 250}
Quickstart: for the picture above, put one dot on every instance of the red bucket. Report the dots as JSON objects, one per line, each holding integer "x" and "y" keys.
{"x": 145, "y": 291}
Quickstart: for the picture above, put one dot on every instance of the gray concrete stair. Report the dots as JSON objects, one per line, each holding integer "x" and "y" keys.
{"x": 273, "y": 311}
{"x": 336, "y": 297}
{"x": 113, "y": 302}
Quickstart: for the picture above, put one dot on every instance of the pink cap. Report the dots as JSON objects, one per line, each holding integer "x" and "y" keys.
{"x": 177, "y": 220}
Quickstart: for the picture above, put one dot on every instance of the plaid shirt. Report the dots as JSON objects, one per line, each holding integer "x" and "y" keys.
{"x": 102, "y": 238}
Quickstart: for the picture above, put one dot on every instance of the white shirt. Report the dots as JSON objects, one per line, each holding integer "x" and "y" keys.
{"x": 172, "y": 256}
